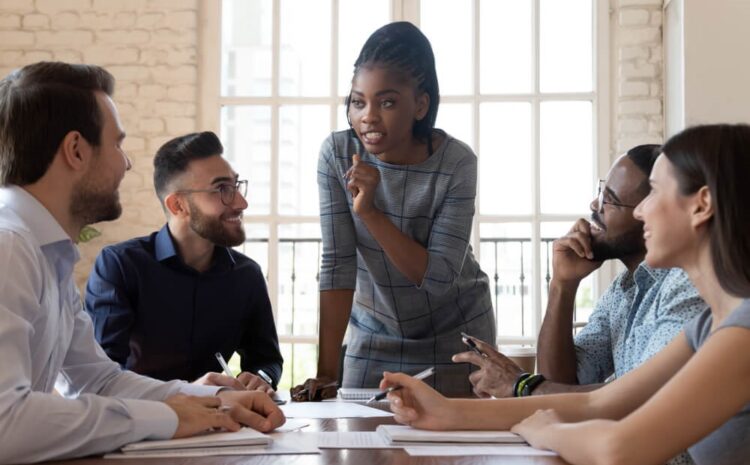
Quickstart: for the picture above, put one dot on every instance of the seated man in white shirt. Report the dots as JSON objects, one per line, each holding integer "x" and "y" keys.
{"x": 61, "y": 163}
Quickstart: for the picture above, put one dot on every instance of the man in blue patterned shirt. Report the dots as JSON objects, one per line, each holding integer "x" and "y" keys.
{"x": 638, "y": 315}
{"x": 640, "y": 312}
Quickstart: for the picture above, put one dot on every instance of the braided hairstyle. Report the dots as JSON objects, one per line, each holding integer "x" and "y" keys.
{"x": 402, "y": 48}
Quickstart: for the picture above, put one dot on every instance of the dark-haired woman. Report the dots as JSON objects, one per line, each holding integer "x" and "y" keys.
{"x": 396, "y": 205}
{"x": 694, "y": 394}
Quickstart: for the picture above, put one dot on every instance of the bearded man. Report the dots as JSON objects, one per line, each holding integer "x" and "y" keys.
{"x": 641, "y": 311}
{"x": 164, "y": 304}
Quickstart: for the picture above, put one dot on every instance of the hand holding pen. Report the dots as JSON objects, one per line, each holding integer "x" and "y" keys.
{"x": 247, "y": 381}
{"x": 416, "y": 404}
{"x": 420, "y": 376}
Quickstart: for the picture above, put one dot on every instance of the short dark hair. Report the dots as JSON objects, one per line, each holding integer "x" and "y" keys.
{"x": 644, "y": 156}
{"x": 718, "y": 156}
{"x": 173, "y": 157}
{"x": 402, "y": 47}
{"x": 39, "y": 105}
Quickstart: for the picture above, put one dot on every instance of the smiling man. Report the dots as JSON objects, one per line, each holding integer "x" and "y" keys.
{"x": 638, "y": 314}
{"x": 164, "y": 304}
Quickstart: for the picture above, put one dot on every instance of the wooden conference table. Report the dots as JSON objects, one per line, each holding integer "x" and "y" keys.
{"x": 332, "y": 456}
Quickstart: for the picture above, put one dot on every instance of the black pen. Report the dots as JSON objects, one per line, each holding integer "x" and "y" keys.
{"x": 421, "y": 375}
{"x": 472, "y": 345}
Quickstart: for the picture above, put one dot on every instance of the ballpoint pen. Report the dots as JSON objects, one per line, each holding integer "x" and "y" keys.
{"x": 224, "y": 365}
{"x": 466, "y": 339}
{"x": 421, "y": 375}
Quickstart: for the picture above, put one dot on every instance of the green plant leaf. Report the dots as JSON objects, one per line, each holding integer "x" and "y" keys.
{"x": 88, "y": 233}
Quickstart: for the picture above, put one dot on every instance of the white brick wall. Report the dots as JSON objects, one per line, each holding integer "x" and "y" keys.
{"x": 151, "y": 48}
{"x": 638, "y": 110}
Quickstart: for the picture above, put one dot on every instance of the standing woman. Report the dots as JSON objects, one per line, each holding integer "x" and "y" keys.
{"x": 695, "y": 393}
{"x": 396, "y": 207}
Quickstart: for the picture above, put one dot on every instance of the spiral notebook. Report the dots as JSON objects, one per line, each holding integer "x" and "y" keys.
{"x": 357, "y": 394}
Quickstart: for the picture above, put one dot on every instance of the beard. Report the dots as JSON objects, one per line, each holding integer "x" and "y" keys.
{"x": 624, "y": 245}
{"x": 91, "y": 204}
{"x": 213, "y": 229}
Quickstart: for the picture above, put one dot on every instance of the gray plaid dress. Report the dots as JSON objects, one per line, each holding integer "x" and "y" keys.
{"x": 396, "y": 325}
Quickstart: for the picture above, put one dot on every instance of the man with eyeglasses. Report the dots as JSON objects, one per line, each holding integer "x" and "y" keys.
{"x": 163, "y": 305}
{"x": 639, "y": 313}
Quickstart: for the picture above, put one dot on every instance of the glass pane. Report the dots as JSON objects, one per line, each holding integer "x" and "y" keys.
{"x": 505, "y": 251}
{"x": 305, "y": 61}
{"x": 256, "y": 245}
{"x": 301, "y": 131}
{"x": 246, "y": 27}
{"x": 357, "y": 20}
{"x": 505, "y": 54}
{"x": 299, "y": 262}
{"x": 246, "y": 135}
{"x": 585, "y": 297}
{"x": 566, "y": 46}
{"x": 341, "y": 122}
{"x": 456, "y": 120}
{"x": 300, "y": 363}
{"x": 567, "y": 161}
{"x": 449, "y": 30}
{"x": 505, "y": 158}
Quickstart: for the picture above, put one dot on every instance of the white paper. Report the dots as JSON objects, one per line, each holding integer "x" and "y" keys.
{"x": 353, "y": 440}
{"x": 290, "y": 425}
{"x": 243, "y": 437}
{"x": 330, "y": 410}
{"x": 462, "y": 450}
{"x": 277, "y": 447}
{"x": 402, "y": 433}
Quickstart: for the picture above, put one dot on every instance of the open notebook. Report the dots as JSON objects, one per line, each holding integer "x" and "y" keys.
{"x": 400, "y": 433}
{"x": 243, "y": 437}
{"x": 358, "y": 394}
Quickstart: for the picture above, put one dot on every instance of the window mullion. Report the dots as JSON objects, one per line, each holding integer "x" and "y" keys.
{"x": 273, "y": 228}
{"x": 536, "y": 280}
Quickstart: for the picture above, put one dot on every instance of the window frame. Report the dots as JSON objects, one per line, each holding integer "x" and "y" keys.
{"x": 210, "y": 102}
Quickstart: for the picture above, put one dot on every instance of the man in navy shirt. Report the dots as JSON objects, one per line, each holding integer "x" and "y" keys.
{"x": 164, "y": 304}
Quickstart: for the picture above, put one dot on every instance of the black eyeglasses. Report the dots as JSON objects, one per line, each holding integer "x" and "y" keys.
{"x": 226, "y": 191}
{"x": 601, "y": 201}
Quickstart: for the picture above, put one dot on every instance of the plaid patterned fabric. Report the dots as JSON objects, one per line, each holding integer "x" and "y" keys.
{"x": 396, "y": 325}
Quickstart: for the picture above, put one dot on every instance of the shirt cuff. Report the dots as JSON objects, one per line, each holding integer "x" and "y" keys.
{"x": 151, "y": 420}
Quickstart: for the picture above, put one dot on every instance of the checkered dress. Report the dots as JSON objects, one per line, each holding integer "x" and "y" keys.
{"x": 396, "y": 325}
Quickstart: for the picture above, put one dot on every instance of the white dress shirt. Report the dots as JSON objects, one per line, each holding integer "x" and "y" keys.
{"x": 46, "y": 337}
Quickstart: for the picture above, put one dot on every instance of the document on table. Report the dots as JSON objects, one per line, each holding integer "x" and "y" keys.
{"x": 441, "y": 450}
{"x": 291, "y": 425}
{"x": 277, "y": 447}
{"x": 330, "y": 410}
{"x": 401, "y": 433}
{"x": 353, "y": 440}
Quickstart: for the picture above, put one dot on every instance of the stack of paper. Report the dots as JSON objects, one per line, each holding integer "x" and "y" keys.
{"x": 244, "y": 438}
{"x": 406, "y": 434}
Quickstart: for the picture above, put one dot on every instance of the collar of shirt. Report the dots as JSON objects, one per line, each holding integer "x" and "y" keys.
{"x": 643, "y": 276}
{"x": 54, "y": 242}
{"x": 165, "y": 250}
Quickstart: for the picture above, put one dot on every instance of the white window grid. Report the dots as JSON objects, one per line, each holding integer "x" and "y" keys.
{"x": 211, "y": 102}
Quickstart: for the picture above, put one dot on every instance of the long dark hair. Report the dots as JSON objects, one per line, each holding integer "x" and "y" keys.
{"x": 402, "y": 47}
{"x": 718, "y": 156}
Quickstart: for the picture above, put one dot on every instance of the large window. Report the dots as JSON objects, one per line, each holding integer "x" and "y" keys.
{"x": 519, "y": 83}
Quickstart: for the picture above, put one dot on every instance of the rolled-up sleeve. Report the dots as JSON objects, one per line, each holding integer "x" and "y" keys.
{"x": 338, "y": 269}
{"x": 451, "y": 230}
